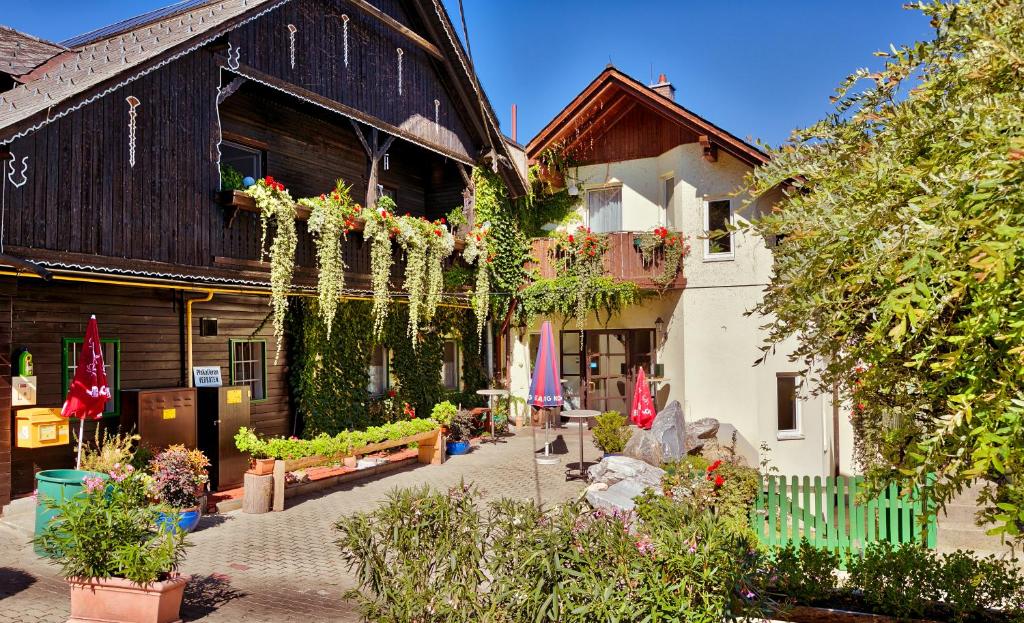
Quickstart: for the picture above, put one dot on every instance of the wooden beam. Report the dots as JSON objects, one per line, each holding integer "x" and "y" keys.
{"x": 710, "y": 149}
{"x": 398, "y": 27}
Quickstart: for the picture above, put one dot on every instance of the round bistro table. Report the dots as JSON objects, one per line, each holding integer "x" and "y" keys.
{"x": 491, "y": 394}
{"x": 583, "y": 415}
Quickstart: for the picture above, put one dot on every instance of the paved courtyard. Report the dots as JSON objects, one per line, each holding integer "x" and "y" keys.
{"x": 282, "y": 567}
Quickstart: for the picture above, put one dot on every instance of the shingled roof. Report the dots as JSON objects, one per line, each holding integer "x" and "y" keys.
{"x": 21, "y": 53}
{"x": 81, "y": 69}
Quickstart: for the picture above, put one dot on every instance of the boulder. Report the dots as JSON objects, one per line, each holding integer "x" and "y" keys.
{"x": 665, "y": 441}
{"x": 618, "y": 497}
{"x": 614, "y": 469}
{"x": 698, "y": 432}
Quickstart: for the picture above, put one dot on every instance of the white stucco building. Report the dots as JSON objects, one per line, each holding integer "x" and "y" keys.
{"x": 649, "y": 162}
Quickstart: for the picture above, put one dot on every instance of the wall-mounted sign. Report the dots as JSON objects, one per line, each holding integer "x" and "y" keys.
{"x": 234, "y": 397}
{"x": 170, "y": 414}
{"x": 23, "y": 391}
{"x": 206, "y": 376}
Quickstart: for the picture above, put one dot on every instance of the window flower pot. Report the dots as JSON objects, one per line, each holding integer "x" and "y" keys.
{"x": 117, "y": 599}
{"x": 456, "y": 447}
{"x": 262, "y": 467}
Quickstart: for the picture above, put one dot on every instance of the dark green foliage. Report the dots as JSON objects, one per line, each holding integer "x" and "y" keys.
{"x": 329, "y": 375}
{"x": 428, "y": 556}
{"x": 508, "y": 244}
{"x": 904, "y": 582}
{"x": 230, "y": 178}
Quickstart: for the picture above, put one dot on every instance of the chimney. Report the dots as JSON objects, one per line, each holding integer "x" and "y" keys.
{"x": 664, "y": 88}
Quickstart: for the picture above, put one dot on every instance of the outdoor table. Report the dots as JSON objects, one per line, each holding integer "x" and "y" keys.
{"x": 491, "y": 393}
{"x": 583, "y": 415}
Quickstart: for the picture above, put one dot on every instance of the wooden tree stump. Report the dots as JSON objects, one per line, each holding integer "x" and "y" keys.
{"x": 259, "y": 491}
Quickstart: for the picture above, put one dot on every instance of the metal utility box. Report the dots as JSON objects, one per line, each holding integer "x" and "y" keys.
{"x": 162, "y": 417}
{"x": 222, "y": 411}
{"x": 40, "y": 428}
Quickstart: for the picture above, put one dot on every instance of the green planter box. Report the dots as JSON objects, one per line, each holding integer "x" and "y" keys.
{"x": 58, "y": 485}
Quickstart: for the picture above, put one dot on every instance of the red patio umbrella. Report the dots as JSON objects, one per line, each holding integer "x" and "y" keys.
{"x": 89, "y": 392}
{"x": 642, "y": 413}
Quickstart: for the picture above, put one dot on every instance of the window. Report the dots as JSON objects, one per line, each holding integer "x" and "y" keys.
{"x": 249, "y": 366}
{"x": 668, "y": 212}
{"x": 787, "y": 388}
{"x": 717, "y": 218}
{"x": 451, "y": 365}
{"x": 380, "y": 373}
{"x": 246, "y": 160}
{"x": 111, "y": 365}
{"x": 604, "y": 209}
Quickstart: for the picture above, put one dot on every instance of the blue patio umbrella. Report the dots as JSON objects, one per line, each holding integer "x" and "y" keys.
{"x": 545, "y": 385}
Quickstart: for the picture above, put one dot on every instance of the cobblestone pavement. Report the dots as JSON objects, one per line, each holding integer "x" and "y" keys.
{"x": 284, "y": 567}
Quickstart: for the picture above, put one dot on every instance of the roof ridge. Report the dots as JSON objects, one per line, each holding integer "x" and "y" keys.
{"x": 120, "y": 27}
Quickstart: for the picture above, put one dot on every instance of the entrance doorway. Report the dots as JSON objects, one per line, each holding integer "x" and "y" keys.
{"x": 602, "y": 374}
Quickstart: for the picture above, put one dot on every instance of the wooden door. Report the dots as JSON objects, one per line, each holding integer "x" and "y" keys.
{"x": 612, "y": 360}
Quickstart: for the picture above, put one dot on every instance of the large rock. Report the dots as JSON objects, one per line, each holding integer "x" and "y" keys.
{"x": 614, "y": 469}
{"x": 618, "y": 497}
{"x": 698, "y": 432}
{"x": 665, "y": 441}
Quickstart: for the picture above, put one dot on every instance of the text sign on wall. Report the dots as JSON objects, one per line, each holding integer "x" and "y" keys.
{"x": 206, "y": 376}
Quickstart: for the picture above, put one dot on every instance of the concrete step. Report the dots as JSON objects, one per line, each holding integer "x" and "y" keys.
{"x": 958, "y": 513}
{"x": 954, "y": 536}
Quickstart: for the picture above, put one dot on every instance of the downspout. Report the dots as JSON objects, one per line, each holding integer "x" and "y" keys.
{"x": 188, "y": 334}
{"x": 490, "y": 350}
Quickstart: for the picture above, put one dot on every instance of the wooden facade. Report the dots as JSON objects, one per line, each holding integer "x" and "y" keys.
{"x": 111, "y": 188}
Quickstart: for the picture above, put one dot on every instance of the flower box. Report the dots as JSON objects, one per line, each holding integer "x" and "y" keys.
{"x": 117, "y": 599}
{"x": 262, "y": 467}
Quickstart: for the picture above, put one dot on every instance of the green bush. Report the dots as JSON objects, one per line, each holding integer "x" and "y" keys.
{"x": 694, "y": 481}
{"x": 429, "y": 556}
{"x": 611, "y": 432}
{"x": 230, "y": 178}
{"x": 325, "y": 445}
{"x": 443, "y": 412}
{"x": 461, "y": 426}
{"x": 110, "y": 531}
{"x": 905, "y": 582}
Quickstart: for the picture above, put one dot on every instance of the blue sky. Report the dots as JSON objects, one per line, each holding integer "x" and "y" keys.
{"x": 754, "y": 67}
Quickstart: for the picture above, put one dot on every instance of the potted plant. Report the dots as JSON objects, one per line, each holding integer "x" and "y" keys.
{"x": 179, "y": 481}
{"x": 260, "y": 463}
{"x": 460, "y": 429}
{"x": 443, "y": 413}
{"x": 119, "y": 565}
{"x": 611, "y": 432}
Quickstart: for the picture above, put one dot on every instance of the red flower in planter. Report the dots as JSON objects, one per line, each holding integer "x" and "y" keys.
{"x": 571, "y": 239}
{"x": 443, "y": 221}
{"x": 438, "y": 232}
{"x": 719, "y": 481}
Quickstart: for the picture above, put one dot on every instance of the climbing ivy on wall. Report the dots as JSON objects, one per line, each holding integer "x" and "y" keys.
{"x": 329, "y": 372}
{"x": 508, "y": 245}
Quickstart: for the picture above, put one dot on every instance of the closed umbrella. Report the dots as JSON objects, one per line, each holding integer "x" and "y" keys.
{"x": 89, "y": 392}
{"x": 642, "y": 413}
{"x": 545, "y": 385}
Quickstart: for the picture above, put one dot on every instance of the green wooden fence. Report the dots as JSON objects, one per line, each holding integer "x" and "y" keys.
{"x": 835, "y": 516}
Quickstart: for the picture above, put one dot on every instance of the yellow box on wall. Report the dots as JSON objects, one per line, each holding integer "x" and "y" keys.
{"x": 40, "y": 428}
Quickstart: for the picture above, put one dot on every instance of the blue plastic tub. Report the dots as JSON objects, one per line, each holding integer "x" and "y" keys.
{"x": 456, "y": 447}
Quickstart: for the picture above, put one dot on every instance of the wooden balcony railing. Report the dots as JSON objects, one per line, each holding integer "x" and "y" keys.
{"x": 622, "y": 261}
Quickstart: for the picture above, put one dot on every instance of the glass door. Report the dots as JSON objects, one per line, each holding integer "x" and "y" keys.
{"x": 608, "y": 387}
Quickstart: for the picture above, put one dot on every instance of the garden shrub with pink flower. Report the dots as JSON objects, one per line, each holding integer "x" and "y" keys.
{"x": 110, "y": 530}
{"x": 511, "y": 561}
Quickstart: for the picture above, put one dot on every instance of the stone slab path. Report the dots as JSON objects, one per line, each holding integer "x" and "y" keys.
{"x": 285, "y": 567}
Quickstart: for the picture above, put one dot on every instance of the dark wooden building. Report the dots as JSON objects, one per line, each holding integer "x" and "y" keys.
{"x": 111, "y": 146}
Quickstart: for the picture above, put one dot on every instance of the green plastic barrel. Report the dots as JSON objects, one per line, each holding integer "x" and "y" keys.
{"x": 58, "y": 485}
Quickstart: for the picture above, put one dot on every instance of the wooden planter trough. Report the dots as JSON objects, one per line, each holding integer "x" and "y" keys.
{"x": 431, "y": 451}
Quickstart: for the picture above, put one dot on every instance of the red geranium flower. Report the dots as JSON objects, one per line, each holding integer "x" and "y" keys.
{"x": 719, "y": 481}
{"x": 571, "y": 238}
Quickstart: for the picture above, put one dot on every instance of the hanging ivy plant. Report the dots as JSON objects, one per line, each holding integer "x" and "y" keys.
{"x": 441, "y": 244}
{"x": 331, "y": 217}
{"x": 380, "y": 226}
{"x": 674, "y": 247}
{"x": 580, "y": 254}
{"x": 477, "y": 253}
{"x": 277, "y": 207}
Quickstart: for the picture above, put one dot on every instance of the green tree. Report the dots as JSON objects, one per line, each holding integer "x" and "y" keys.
{"x": 900, "y": 245}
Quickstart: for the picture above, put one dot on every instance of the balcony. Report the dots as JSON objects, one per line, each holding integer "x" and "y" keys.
{"x": 622, "y": 261}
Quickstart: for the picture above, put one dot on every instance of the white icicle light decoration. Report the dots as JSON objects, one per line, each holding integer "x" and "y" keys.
{"x": 291, "y": 43}
{"x": 344, "y": 38}
{"x": 400, "y": 54}
{"x": 12, "y": 172}
{"x": 133, "y": 103}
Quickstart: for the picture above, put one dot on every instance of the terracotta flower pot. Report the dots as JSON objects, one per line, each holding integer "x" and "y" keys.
{"x": 117, "y": 599}
{"x": 262, "y": 467}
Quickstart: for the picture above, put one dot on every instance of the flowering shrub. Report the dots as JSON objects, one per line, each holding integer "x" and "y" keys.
{"x": 326, "y": 445}
{"x": 179, "y": 476}
{"x": 674, "y": 248}
{"x": 276, "y": 206}
{"x": 110, "y": 531}
{"x": 579, "y": 256}
{"x": 579, "y": 564}
{"x": 722, "y": 488}
{"x": 331, "y": 217}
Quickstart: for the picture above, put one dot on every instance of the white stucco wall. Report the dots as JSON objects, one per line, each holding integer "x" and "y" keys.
{"x": 710, "y": 344}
